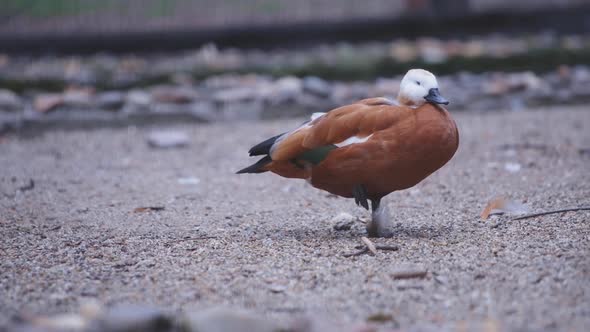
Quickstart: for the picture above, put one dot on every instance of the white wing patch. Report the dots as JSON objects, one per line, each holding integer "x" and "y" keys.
{"x": 393, "y": 102}
{"x": 353, "y": 140}
{"x": 388, "y": 101}
{"x": 316, "y": 115}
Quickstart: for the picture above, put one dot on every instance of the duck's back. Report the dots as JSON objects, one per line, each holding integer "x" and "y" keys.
{"x": 416, "y": 144}
{"x": 375, "y": 143}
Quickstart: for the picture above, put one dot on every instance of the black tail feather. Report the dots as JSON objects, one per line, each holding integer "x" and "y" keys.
{"x": 256, "y": 167}
{"x": 263, "y": 147}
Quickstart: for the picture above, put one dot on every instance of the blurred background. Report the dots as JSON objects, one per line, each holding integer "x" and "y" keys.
{"x": 147, "y": 210}
{"x": 94, "y": 62}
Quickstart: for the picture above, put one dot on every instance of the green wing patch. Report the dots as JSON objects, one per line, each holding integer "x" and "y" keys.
{"x": 315, "y": 156}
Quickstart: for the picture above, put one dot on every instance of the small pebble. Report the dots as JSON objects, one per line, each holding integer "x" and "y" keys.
{"x": 343, "y": 221}
{"x": 227, "y": 320}
{"x": 134, "y": 318}
{"x": 512, "y": 167}
{"x": 168, "y": 139}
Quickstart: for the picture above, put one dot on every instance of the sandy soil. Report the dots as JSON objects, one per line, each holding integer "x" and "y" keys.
{"x": 268, "y": 244}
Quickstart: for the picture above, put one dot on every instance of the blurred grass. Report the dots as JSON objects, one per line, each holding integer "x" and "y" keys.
{"x": 362, "y": 68}
{"x": 54, "y": 8}
{"x": 153, "y": 8}
{"x": 346, "y": 69}
{"x": 61, "y": 8}
{"x": 536, "y": 60}
{"x": 161, "y": 8}
{"x": 268, "y": 7}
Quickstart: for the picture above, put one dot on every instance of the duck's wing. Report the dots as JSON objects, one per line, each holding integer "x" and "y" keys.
{"x": 288, "y": 154}
{"x": 341, "y": 127}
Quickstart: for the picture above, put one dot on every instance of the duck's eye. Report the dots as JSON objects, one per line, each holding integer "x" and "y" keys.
{"x": 418, "y": 82}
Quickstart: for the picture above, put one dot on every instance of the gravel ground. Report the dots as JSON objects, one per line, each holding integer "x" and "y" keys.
{"x": 268, "y": 244}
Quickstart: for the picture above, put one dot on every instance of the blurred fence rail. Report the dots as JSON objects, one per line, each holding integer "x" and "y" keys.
{"x": 26, "y": 19}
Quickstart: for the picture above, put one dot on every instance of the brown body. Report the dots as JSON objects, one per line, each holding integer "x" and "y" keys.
{"x": 405, "y": 146}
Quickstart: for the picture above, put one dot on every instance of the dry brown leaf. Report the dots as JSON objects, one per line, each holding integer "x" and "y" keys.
{"x": 380, "y": 317}
{"x": 501, "y": 205}
{"x": 148, "y": 209}
{"x": 47, "y": 102}
{"x": 495, "y": 203}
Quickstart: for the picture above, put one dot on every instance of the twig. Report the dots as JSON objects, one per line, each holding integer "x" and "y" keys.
{"x": 369, "y": 245}
{"x": 363, "y": 249}
{"x": 409, "y": 274}
{"x": 198, "y": 238}
{"x": 402, "y": 288}
{"x": 386, "y": 247}
{"x": 532, "y": 215}
{"x": 193, "y": 239}
{"x": 357, "y": 253}
{"x": 149, "y": 208}
{"x": 379, "y": 247}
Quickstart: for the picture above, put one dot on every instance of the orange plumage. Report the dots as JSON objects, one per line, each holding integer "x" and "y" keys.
{"x": 406, "y": 146}
{"x": 374, "y": 144}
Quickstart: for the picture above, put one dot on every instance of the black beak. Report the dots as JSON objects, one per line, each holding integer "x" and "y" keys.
{"x": 435, "y": 97}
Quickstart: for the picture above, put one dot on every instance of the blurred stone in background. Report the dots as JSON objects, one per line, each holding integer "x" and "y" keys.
{"x": 209, "y": 84}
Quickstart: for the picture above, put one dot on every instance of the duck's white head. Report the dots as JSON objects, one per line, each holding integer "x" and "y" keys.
{"x": 418, "y": 87}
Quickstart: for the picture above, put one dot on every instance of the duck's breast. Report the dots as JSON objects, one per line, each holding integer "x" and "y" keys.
{"x": 421, "y": 146}
{"x": 394, "y": 158}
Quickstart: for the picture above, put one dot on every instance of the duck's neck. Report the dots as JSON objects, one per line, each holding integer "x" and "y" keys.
{"x": 405, "y": 101}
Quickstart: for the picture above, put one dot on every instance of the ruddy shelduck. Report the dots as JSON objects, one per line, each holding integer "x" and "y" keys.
{"x": 368, "y": 149}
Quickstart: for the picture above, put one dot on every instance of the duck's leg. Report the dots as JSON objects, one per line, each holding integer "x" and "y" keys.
{"x": 360, "y": 196}
{"x": 380, "y": 224}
